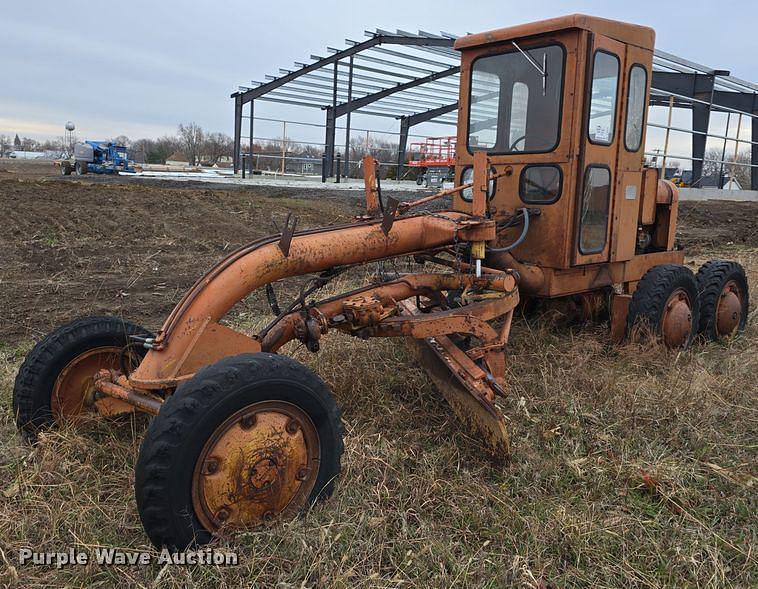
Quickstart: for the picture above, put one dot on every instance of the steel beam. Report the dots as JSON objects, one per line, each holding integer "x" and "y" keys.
{"x": 331, "y": 129}
{"x": 347, "y": 119}
{"x": 423, "y": 117}
{"x": 237, "y": 131}
{"x": 366, "y": 100}
{"x": 253, "y": 93}
{"x": 412, "y": 102}
{"x": 402, "y": 146}
{"x": 250, "y": 156}
{"x": 407, "y": 122}
{"x": 449, "y": 88}
{"x": 424, "y": 92}
{"x": 415, "y": 58}
{"x": 700, "y": 120}
{"x": 411, "y": 68}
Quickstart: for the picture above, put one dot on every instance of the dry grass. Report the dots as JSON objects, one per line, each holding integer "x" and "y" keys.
{"x": 632, "y": 467}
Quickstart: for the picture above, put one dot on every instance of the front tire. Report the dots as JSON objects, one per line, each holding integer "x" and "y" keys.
{"x": 54, "y": 384}
{"x": 249, "y": 439}
{"x": 666, "y": 306}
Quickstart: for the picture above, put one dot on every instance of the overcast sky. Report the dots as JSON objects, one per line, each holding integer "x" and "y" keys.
{"x": 139, "y": 68}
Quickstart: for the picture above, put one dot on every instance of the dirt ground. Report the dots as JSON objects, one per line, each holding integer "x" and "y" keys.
{"x": 111, "y": 245}
{"x": 632, "y": 466}
{"x": 104, "y": 245}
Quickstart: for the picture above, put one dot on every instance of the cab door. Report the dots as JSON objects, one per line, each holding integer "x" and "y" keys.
{"x": 599, "y": 149}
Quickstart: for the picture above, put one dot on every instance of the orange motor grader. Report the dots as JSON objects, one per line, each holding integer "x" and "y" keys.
{"x": 552, "y": 205}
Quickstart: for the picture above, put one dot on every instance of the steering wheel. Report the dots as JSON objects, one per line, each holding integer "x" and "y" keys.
{"x": 519, "y": 140}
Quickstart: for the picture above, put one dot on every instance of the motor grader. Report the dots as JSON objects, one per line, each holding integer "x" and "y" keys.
{"x": 552, "y": 206}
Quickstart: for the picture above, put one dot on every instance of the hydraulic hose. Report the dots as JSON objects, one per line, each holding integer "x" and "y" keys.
{"x": 519, "y": 241}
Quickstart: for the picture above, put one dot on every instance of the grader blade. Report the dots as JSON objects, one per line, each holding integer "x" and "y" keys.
{"x": 466, "y": 387}
{"x": 485, "y": 421}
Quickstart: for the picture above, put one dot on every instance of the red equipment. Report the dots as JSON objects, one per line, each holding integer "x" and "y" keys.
{"x": 433, "y": 152}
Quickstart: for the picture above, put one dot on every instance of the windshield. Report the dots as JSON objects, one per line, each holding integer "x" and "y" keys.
{"x": 513, "y": 107}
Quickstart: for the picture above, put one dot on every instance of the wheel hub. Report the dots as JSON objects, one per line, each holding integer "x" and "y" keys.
{"x": 729, "y": 309}
{"x": 676, "y": 326}
{"x": 260, "y": 463}
{"x": 74, "y": 389}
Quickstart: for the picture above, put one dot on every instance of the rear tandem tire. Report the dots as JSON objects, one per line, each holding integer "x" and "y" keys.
{"x": 665, "y": 305}
{"x": 231, "y": 415}
{"x": 65, "y": 168}
{"x": 724, "y": 298}
{"x": 33, "y": 405}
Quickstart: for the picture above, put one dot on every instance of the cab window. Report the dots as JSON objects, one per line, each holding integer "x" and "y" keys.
{"x": 595, "y": 205}
{"x": 602, "y": 114}
{"x": 540, "y": 184}
{"x": 635, "y": 108}
{"x": 515, "y": 101}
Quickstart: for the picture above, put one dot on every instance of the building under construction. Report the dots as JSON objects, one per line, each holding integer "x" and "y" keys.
{"x": 414, "y": 78}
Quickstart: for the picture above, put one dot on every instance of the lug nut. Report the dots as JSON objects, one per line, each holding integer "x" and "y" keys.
{"x": 268, "y": 516}
{"x": 222, "y": 515}
{"x": 210, "y": 466}
{"x": 292, "y": 426}
{"x": 302, "y": 473}
{"x": 248, "y": 421}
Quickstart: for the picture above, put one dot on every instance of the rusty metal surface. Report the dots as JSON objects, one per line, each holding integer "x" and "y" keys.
{"x": 676, "y": 323}
{"x": 288, "y": 231}
{"x": 115, "y": 386}
{"x": 729, "y": 309}
{"x": 262, "y": 262}
{"x": 74, "y": 388}
{"x": 467, "y": 388}
{"x": 371, "y": 185}
{"x": 261, "y": 463}
{"x": 372, "y": 311}
{"x": 636, "y": 35}
{"x": 546, "y": 264}
{"x": 619, "y": 313}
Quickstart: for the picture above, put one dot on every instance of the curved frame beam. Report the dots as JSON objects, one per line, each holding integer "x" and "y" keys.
{"x": 192, "y": 336}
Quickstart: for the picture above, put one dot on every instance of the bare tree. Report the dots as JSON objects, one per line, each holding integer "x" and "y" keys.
{"x": 29, "y": 144}
{"x": 730, "y": 167}
{"x": 216, "y": 146}
{"x": 121, "y": 140}
{"x": 154, "y": 151}
{"x": 191, "y": 135}
{"x": 5, "y": 144}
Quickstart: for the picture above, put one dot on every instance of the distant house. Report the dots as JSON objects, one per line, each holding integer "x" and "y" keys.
{"x": 177, "y": 159}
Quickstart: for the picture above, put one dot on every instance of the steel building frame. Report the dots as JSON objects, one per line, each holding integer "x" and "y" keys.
{"x": 414, "y": 78}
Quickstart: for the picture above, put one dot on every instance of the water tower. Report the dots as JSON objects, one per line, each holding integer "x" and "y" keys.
{"x": 68, "y": 138}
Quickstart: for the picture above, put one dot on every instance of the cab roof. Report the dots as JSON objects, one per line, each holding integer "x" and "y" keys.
{"x": 625, "y": 32}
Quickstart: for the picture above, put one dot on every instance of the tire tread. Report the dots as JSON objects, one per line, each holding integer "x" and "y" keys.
{"x": 711, "y": 278}
{"x": 33, "y": 380}
{"x": 167, "y": 433}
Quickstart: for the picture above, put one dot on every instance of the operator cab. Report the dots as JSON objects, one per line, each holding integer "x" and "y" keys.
{"x": 559, "y": 106}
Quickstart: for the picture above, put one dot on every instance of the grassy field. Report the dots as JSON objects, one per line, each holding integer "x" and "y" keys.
{"x": 632, "y": 467}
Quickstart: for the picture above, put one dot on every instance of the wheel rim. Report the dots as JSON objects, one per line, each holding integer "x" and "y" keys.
{"x": 74, "y": 389}
{"x": 729, "y": 309}
{"x": 260, "y": 463}
{"x": 676, "y": 324}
